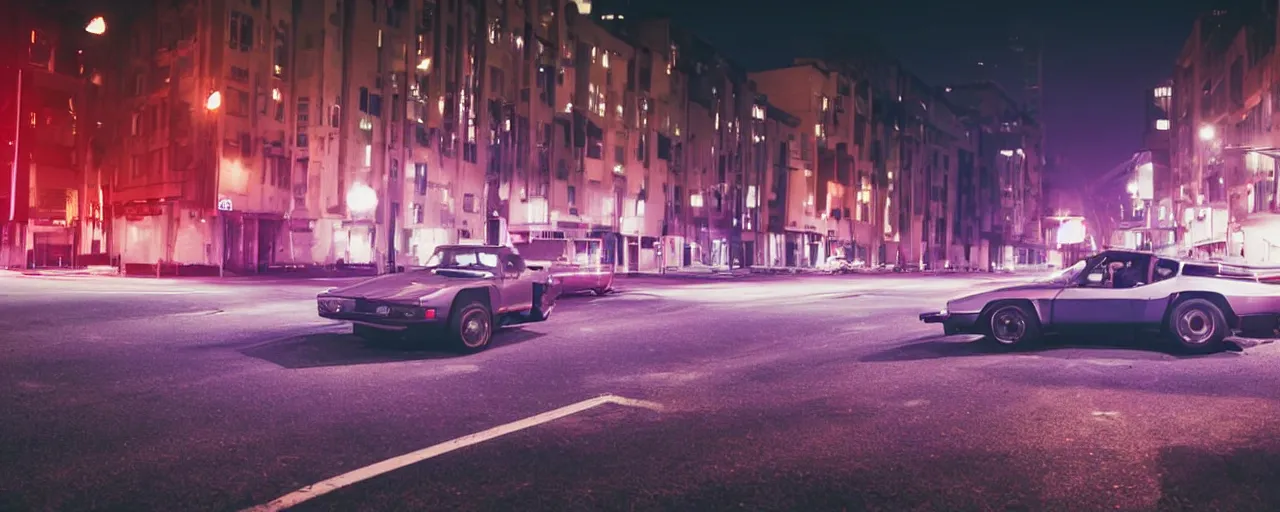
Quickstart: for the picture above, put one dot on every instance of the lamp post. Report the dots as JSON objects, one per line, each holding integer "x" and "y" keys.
{"x": 1208, "y": 137}
{"x": 211, "y": 105}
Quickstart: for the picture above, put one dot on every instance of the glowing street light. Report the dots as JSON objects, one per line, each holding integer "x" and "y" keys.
{"x": 214, "y": 101}
{"x": 97, "y": 26}
{"x": 1208, "y": 132}
{"x": 361, "y": 199}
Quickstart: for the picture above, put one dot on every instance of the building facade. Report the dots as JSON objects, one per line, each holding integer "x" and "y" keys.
{"x": 1223, "y": 179}
{"x": 1010, "y": 160}
{"x": 53, "y": 188}
{"x": 257, "y": 135}
{"x": 838, "y": 108}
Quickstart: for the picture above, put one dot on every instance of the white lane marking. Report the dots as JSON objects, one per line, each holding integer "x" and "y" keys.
{"x": 313, "y": 491}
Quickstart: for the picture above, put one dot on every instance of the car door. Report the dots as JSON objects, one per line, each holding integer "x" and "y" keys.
{"x": 517, "y": 286}
{"x": 1092, "y": 299}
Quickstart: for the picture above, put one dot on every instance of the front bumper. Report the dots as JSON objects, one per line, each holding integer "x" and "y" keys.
{"x": 952, "y": 322}
{"x": 385, "y": 315}
{"x": 936, "y": 317}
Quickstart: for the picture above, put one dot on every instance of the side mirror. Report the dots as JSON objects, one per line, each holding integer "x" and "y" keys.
{"x": 1094, "y": 278}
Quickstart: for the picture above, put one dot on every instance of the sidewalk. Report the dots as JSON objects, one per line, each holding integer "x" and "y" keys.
{"x": 103, "y": 270}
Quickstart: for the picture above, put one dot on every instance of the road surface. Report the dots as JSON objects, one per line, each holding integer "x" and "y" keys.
{"x": 788, "y": 393}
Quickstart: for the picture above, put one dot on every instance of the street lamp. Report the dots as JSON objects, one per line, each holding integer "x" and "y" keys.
{"x": 361, "y": 199}
{"x": 1208, "y": 133}
{"x": 97, "y": 26}
{"x": 214, "y": 101}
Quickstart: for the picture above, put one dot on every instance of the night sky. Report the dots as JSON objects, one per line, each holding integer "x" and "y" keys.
{"x": 1099, "y": 56}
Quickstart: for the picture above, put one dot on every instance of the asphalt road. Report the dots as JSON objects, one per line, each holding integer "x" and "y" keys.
{"x": 810, "y": 393}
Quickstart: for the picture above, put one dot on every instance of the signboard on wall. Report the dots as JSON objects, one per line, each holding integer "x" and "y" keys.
{"x": 142, "y": 210}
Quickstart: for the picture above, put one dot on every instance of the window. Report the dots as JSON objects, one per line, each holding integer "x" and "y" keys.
{"x": 419, "y": 216}
{"x": 572, "y": 196}
{"x": 240, "y": 31}
{"x": 238, "y": 102}
{"x": 395, "y": 169}
{"x": 1118, "y": 270}
{"x": 1165, "y": 269}
{"x": 469, "y": 203}
{"x": 1162, "y": 124}
{"x": 364, "y": 99}
{"x": 280, "y": 54}
{"x": 303, "y": 117}
{"x": 420, "y": 178}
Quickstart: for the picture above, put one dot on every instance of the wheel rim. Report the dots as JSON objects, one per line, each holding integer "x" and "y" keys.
{"x": 1195, "y": 327}
{"x": 475, "y": 328}
{"x": 1008, "y": 325}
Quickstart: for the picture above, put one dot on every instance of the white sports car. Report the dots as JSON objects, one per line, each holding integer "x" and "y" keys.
{"x": 1196, "y": 304}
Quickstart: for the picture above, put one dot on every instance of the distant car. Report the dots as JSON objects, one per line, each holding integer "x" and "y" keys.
{"x": 1196, "y": 304}
{"x": 464, "y": 292}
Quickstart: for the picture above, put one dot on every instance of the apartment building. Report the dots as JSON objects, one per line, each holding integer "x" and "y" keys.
{"x": 1224, "y": 99}
{"x": 203, "y": 167}
{"x": 1011, "y": 163}
{"x": 838, "y": 109}
{"x": 52, "y": 192}
{"x": 264, "y": 134}
{"x": 791, "y": 206}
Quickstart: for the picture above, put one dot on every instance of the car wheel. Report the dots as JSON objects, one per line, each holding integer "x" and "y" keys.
{"x": 601, "y": 291}
{"x": 1012, "y": 325}
{"x": 1198, "y": 325}
{"x": 544, "y": 301}
{"x": 471, "y": 327}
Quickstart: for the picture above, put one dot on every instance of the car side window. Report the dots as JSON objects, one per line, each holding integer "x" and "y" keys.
{"x": 1165, "y": 269}
{"x": 1118, "y": 272}
{"x": 513, "y": 263}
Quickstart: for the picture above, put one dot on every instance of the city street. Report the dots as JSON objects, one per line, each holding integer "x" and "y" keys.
{"x": 764, "y": 393}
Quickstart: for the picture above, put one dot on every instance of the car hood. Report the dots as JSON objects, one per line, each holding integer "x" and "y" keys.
{"x": 1016, "y": 291}
{"x": 408, "y": 286}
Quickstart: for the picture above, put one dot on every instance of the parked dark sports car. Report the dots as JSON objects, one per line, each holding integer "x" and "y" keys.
{"x": 463, "y": 293}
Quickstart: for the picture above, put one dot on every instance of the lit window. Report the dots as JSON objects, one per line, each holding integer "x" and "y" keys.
{"x": 1162, "y": 124}
{"x": 368, "y": 155}
{"x": 695, "y": 200}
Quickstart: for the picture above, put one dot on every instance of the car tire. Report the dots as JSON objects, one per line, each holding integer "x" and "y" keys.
{"x": 544, "y": 301}
{"x": 1197, "y": 325}
{"x": 1010, "y": 325}
{"x": 374, "y": 334}
{"x": 601, "y": 291}
{"x": 471, "y": 327}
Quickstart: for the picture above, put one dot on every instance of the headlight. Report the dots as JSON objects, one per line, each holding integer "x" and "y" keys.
{"x": 943, "y": 312}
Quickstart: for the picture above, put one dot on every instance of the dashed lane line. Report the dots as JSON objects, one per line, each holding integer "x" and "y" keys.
{"x": 316, "y": 490}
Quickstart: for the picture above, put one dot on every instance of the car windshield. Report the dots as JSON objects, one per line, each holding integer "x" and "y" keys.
{"x": 1065, "y": 275}
{"x": 465, "y": 258}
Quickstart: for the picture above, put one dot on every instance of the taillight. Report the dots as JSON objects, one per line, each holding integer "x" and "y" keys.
{"x": 429, "y": 314}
